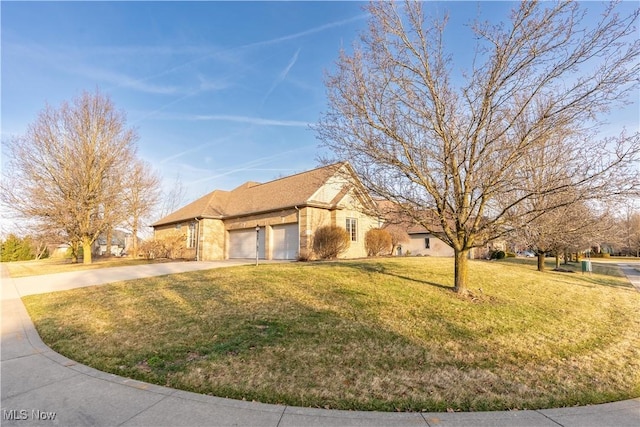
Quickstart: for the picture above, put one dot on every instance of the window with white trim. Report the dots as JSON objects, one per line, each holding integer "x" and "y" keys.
{"x": 191, "y": 235}
{"x": 352, "y": 229}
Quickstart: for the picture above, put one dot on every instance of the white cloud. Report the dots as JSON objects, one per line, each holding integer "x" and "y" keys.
{"x": 282, "y": 76}
{"x": 251, "y": 120}
{"x": 309, "y": 31}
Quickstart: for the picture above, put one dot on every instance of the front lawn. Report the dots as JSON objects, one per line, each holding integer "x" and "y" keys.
{"x": 372, "y": 335}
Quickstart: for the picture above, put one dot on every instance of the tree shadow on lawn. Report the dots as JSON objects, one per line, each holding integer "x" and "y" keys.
{"x": 575, "y": 270}
{"x": 608, "y": 283}
{"x": 600, "y": 280}
{"x": 381, "y": 269}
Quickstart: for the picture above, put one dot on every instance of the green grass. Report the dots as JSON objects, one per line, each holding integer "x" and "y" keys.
{"x": 58, "y": 265}
{"x": 372, "y": 335}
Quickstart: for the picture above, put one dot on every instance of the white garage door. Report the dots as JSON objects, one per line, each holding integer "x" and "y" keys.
{"x": 242, "y": 243}
{"x": 285, "y": 241}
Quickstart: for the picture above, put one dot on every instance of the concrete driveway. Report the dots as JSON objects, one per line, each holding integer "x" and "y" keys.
{"x": 41, "y": 387}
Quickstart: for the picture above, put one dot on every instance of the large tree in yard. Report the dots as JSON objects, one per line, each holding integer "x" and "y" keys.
{"x": 66, "y": 171}
{"x": 450, "y": 144}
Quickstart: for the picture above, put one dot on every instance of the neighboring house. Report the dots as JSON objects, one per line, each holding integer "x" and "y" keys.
{"x": 416, "y": 239}
{"x": 285, "y": 212}
{"x": 60, "y": 250}
{"x": 121, "y": 243}
{"x": 484, "y": 252}
{"x": 421, "y": 242}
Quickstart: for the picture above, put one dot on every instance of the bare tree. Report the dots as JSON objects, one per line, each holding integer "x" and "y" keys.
{"x": 141, "y": 194}
{"x": 174, "y": 198}
{"x": 114, "y": 212}
{"x": 574, "y": 227}
{"x": 633, "y": 235}
{"x": 627, "y": 228}
{"x": 64, "y": 170}
{"x": 398, "y": 235}
{"x": 450, "y": 152}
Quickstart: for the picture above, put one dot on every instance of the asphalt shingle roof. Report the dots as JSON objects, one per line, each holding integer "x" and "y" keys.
{"x": 252, "y": 197}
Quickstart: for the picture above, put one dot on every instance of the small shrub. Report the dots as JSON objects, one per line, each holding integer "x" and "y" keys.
{"x": 150, "y": 249}
{"x": 170, "y": 245}
{"x": 330, "y": 241}
{"x": 377, "y": 242}
{"x": 498, "y": 255}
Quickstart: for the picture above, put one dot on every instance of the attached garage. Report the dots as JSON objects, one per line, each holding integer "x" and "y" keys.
{"x": 242, "y": 243}
{"x": 284, "y": 241}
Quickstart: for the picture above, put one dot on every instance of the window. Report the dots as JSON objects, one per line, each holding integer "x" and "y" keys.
{"x": 426, "y": 243}
{"x": 191, "y": 235}
{"x": 351, "y": 228}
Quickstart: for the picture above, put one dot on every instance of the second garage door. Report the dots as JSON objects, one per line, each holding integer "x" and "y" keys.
{"x": 242, "y": 243}
{"x": 285, "y": 241}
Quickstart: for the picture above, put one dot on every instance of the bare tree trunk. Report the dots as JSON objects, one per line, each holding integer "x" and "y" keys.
{"x": 557, "y": 260}
{"x": 134, "y": 231}
{"x": 109, "y": 234}
{"x": 41, "y": 249}
{"x": 540, "y": 261}
{"x": 75, "y": 248}
{"x": 86, "y": 250}
{"x": 461, "y": 270}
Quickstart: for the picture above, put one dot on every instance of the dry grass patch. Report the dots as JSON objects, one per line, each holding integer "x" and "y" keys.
{"x": 372, "y": 334}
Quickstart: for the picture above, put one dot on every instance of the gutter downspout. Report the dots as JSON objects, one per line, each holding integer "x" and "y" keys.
{"x": 198, "y": 240}
{"x": 298, "y": 220}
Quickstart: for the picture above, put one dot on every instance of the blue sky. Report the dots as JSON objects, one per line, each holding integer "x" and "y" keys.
{"x": 220, "y": 92}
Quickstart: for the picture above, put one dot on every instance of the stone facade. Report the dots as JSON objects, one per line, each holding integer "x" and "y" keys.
{"x": 214, "y": 233}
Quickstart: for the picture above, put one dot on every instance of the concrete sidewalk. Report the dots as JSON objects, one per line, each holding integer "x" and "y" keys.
{"x": 41, "y": 387}
{"x": 631, "y": 270}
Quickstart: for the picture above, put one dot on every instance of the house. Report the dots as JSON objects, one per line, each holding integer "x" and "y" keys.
{"x": 121, "y": 243}
{"x": 422, "y": 242}
{"x": 412, "y": 238}
{"x": 276, "y": 219}
{"x": 58, "y": 250}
